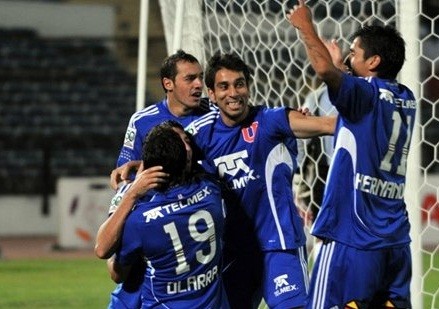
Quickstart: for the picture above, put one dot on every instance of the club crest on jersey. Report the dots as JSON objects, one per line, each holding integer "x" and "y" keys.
{"x": 282, "y": 285}
{"x": 249, "y": 133}
{"x": 130, "y": 136}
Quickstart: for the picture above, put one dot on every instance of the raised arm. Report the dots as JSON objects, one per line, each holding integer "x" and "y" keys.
{"x": 109, "y": 233}
{"x": 301, "y": 18}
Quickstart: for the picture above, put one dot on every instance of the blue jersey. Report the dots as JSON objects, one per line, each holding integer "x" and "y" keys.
{"x": 363, "y": 205}
{"x": 143, "y": 121}
{"x": 139, "y": 126}
{"x": 257, "y": 160}
{"x": 179, "y": 235}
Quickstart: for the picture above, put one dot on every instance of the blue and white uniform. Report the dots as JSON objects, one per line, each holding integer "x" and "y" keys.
{"x": 139, "y": 126}
{"x": 143, "y": 121}
{"x": 363, "y": 218}
{"x": 178, "y": 232}
{"x": 257, "y": 159}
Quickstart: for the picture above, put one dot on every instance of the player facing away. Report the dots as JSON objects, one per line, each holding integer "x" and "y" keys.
{"x": 365, "y": 261}
{"x": 253, "y": 149}
{"x": 182, "y": 80}
{"x": 178, "y": 231}
{"x": 127, "y": 294}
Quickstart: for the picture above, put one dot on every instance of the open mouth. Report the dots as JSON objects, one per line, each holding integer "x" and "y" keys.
{"x": 235, "y": 104}
{"x": 196, "y": 94}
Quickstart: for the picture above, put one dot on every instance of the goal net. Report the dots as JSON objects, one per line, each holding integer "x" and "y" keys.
{"x": 259, "y": 32}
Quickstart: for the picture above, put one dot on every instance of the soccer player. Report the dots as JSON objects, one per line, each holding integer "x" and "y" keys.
{"x": 178, "y": 232}
{"x": 253, "y": 149}
{"x": 365, "y": 261}
{"x": 182, "y": 81}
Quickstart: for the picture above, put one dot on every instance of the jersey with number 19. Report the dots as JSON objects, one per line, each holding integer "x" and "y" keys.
{"x": 179, "y": 234}
{"x": 363, "y": 205}
{"x": 126, "y": 295}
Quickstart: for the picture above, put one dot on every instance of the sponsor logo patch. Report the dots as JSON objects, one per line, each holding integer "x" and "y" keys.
{"x": 130, "y": 136}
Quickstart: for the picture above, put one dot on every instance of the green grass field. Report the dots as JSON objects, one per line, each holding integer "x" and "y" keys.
{"x": 81, "y": 283}
{"x": 84, "y": 283}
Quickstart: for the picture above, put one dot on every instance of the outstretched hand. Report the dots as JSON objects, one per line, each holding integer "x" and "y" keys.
{"x": 300, "y": 15}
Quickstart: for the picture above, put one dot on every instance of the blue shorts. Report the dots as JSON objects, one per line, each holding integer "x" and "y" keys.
{"x": 344, "y": 276}
{"x": 285, "y": 279}
{"x": 122, "y": 299}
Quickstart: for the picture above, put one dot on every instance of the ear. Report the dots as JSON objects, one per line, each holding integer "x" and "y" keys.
{"x": 211, "y": 95}
{"x": 374, "y": 61}
{"x": 168, "y": 84}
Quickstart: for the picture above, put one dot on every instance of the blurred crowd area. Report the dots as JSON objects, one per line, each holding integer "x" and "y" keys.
{"x": 65, "y": 105}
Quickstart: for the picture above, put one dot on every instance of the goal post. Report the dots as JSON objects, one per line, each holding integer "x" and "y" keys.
{"x": 410, "y": 76}
{"x": 258, "y": 31}
{"x": 182, "y": 24}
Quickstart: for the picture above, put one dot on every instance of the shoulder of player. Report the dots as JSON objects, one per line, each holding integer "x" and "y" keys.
{"x": 151, "y": 110}
{"x": 144, "y": 205}
{"x": 266, "y": 111}
{"x": 203, "y": 121}
{"x": 205, "y": 107}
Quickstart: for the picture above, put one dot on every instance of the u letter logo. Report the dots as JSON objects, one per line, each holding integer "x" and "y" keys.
{"x": 249, "y": 133}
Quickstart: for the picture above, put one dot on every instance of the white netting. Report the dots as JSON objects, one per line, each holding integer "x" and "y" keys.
{"x": 259, "y": 32}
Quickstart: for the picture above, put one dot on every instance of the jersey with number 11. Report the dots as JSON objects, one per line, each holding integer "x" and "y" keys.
{"x": 363, "y": 205}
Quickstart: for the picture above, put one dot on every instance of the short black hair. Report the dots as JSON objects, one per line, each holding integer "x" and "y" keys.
{"x": 169, "y": 65}
{"x": 226, "y": 61}
{"x": 386, "y": 42}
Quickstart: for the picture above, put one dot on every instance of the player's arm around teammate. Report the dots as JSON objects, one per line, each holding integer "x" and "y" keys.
{"x": 107, "y": 238}
{"x": 305, "y": 126}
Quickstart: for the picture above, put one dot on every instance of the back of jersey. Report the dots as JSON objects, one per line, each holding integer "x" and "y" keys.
{"x": 366, "y": 182}
{"x": 179, "y": 233}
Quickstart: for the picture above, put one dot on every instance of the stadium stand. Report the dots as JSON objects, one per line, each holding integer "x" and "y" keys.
{"x": 64, "y": 107}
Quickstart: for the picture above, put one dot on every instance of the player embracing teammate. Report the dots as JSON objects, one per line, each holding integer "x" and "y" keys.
{"x": 365, "y": 260}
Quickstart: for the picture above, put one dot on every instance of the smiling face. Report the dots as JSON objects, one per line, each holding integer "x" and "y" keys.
{"x": 184, "y": 92}
{"x": 358, "y": 64}
{"x": 231, "y": 94}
